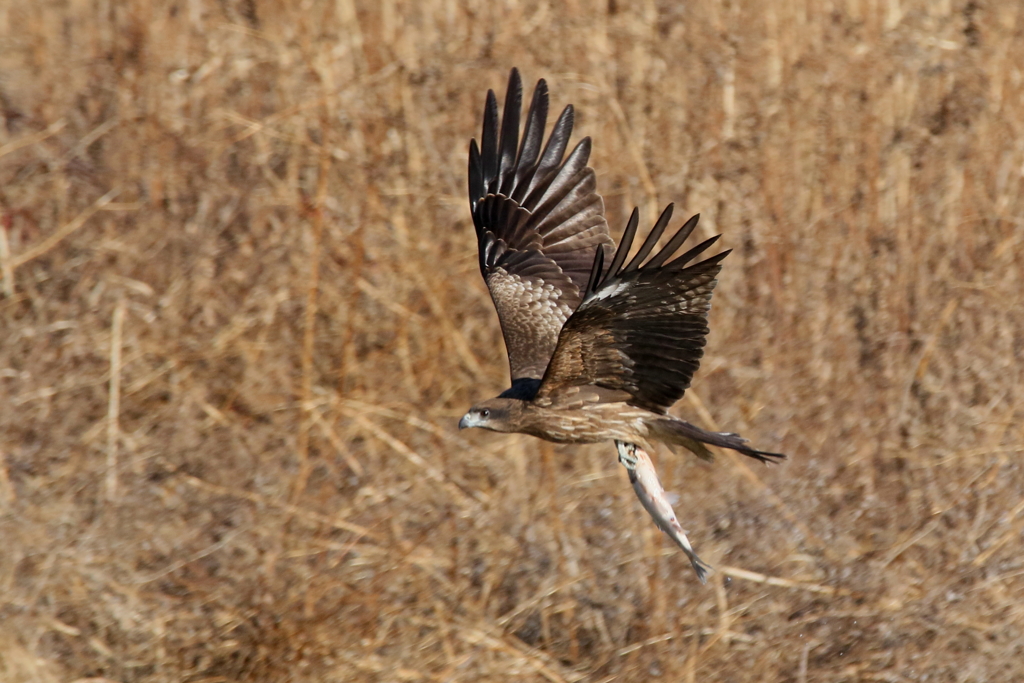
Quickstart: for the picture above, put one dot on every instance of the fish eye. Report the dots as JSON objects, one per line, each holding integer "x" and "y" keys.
{"x": 485, "y": 413}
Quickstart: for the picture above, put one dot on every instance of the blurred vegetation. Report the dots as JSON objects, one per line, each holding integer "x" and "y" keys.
{"x": 240, "y": 316}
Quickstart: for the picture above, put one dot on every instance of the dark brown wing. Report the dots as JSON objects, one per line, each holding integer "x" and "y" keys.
{"x": 641, "y": 327}
{"x": 539, "y": 221}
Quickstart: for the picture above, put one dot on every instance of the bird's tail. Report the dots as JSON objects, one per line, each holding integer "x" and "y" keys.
{"x": 676, "y": 432}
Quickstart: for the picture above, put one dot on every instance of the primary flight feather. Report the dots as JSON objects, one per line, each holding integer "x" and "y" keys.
{"x": 595, "y": 352}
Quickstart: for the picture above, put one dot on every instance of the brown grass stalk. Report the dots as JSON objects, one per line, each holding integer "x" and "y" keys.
{"x": 114, "y": 399}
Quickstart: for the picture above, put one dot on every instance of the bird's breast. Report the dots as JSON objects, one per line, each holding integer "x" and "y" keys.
{"x": 584, "y": 424}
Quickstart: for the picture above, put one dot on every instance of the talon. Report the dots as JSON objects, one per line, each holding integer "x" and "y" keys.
{"x": 627, "y": 455}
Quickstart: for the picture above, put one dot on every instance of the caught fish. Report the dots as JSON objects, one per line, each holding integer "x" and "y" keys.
{"x": 652, "y": 496}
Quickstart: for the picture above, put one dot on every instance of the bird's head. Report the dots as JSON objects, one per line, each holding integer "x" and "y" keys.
{"x": 496, "y": 414}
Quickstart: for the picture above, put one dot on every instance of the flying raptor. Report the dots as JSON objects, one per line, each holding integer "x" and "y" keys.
{"x": 599, "y": 347}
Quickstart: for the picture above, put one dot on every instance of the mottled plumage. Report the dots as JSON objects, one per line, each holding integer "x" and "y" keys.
{"x": 538, "y": 222}
{"x": 596, "y": 353}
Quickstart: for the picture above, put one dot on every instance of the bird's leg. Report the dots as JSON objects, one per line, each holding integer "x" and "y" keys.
{"x": 649, "y": 490}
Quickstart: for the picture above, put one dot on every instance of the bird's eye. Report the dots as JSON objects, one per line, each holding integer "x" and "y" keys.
{"x": 485, "y": 413}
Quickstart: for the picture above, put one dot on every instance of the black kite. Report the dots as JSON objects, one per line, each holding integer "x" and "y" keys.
{"x": 596, "y": 352}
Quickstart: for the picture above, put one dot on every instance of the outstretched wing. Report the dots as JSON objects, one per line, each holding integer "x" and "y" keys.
{"x": 641, "y": 327}
{"x": 539, "y": 221}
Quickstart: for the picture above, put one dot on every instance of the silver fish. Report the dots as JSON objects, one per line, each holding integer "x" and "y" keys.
{"x": 652, "y": 496}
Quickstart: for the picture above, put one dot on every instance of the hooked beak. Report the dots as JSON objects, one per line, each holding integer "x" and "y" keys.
{"x": 472, "y": 419}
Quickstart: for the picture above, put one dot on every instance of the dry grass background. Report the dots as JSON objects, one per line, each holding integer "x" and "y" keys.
{"x": 241, "y": 315}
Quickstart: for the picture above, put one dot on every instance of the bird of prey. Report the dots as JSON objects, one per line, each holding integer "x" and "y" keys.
{"x": 596, "y": 352}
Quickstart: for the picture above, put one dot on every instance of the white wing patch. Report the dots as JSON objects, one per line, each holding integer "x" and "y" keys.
{"x": 606, "y": 292}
